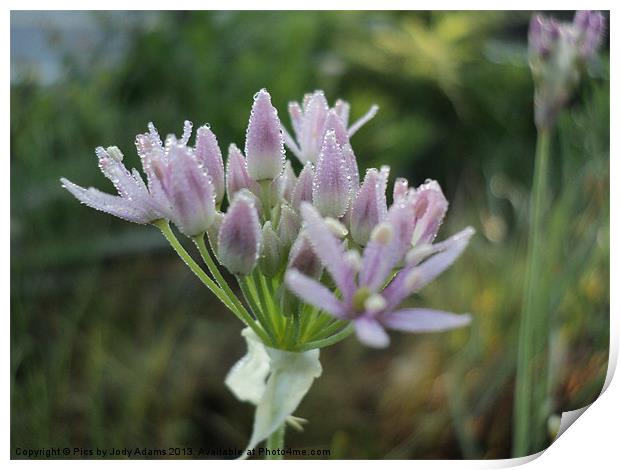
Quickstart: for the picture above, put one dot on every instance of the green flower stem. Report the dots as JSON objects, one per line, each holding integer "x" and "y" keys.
{"x": 329, "y": 330}
{"x": 533, "y": 333}
{"x": 215, "y": 272}
{"x": 205, "y": 279}
{"x": 323, "y": 343}
{"x": 320, "y": 321}
{"x": 252, "y": 301}
{"x": 265, "y": 187}
{"x": 275, "y": 442}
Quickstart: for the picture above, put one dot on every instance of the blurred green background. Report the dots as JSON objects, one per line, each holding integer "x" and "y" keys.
{"x": 114, "y": 343}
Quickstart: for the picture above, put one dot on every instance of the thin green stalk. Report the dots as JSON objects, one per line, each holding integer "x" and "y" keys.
{"x": 205, "y": 279}
{"x": 319, "y": 322}
{"x": 250, "y": 298}
{"x": 323, "y": 343}
{"x": 533, "y": 332}
{"x": 328, "y": 330}
{"x": 215, "y": 272}
{"x": 275, "y": 442}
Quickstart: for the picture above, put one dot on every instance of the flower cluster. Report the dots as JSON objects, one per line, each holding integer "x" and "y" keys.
{"x": 318, "y": 254}
{"x": 558, "y": 53}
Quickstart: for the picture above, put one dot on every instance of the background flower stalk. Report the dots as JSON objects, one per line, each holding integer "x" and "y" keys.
{"x": 559, "y": 53}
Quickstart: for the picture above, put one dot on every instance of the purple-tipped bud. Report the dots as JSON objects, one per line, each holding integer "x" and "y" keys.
{"x": 592, "y": 32}
{"x": 208, "y": 153}
{"x": 352, "y": 168}
{"x": 296, "y": 113}
{"x": 430, "y": 208}
{"x": 313, "y": 127}
{"x": 582, "y": 20}
{"x": 331, "y": 185}
{"x": 303, "y": 187}
{"x": 239, "y": 239}
{"x": 237, "y": 177}
{"x": 290, "y": 223}
{"x": 189, "y": 191}
{"x": 334, "y": 123}
{"x": 270, "y": 259}
{"x": 287, "y": 182}
{"x": 214, "y": 230}
{"x": 369, "y": 208}
{"x": 264, "y": 146}
{"x": 536, "y": 36}
{"x": 303, "y": 258}
{"x": 401, "y": 188}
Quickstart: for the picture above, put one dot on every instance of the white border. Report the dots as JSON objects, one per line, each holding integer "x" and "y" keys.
{"x": 591, "y": 442}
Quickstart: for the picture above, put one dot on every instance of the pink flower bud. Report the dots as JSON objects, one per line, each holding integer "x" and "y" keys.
{"x": 401, "y": 188}
{"x": 303, "y": 187}
{"x": 313, "y": 126}
{"x": 208, "y": 153}
{"x": 271, "y": 256}
{"x": 237, "y": 177}
{"x": 303, "y": 259}
{"x": 290, "y": 223}
{"x": 369, "y": 208}
{"x": 239, "y": 238}
{"x": 189, "y": 190}
{"x": 264, "y": 147}
{"x": 287, "y": 182}
{"x": 430, "y": 208}
{"x": 334, "y": 123}
{"x": 331, "y": 184}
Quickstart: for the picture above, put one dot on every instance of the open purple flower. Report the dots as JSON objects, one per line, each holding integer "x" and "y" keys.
{"x": 311, "y": 120}
{"x": 361, "y": 279}
{"x": 179, "y": 186}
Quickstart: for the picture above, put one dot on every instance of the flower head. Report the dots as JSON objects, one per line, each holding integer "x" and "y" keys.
{"x": 294, "y": 229}
{"x": 558, "y": 53}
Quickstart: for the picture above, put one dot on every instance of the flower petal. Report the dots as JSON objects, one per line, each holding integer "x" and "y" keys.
{"x": 312, "y": 128}
{"x": 329, "y": 250}
{"x": 303, "y": 186}
{"x": 334, "y": 123}
{"x": 314, "y": 293}
{"x": 237, "y": 176}
{"x": 357, "y": 125}
{"x": 422, "y": 320}
{"x": 430, "y": 209}
{"x": 381, "y": 255}
{"x": 208, "y": 153}
{"x": 113, "y": 205}
{"x": 342, "y": 108}
{"x": 414, "y": 278}
{"x": 331, "y": 185}
{"x": 303, "y": 259}
{"x": 371, "y": 333}
{"x": 368, "y": 209}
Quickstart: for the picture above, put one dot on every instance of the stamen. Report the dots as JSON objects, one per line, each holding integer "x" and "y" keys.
{"x": 382, "y": 233}
{"x": 375, "y": 303}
